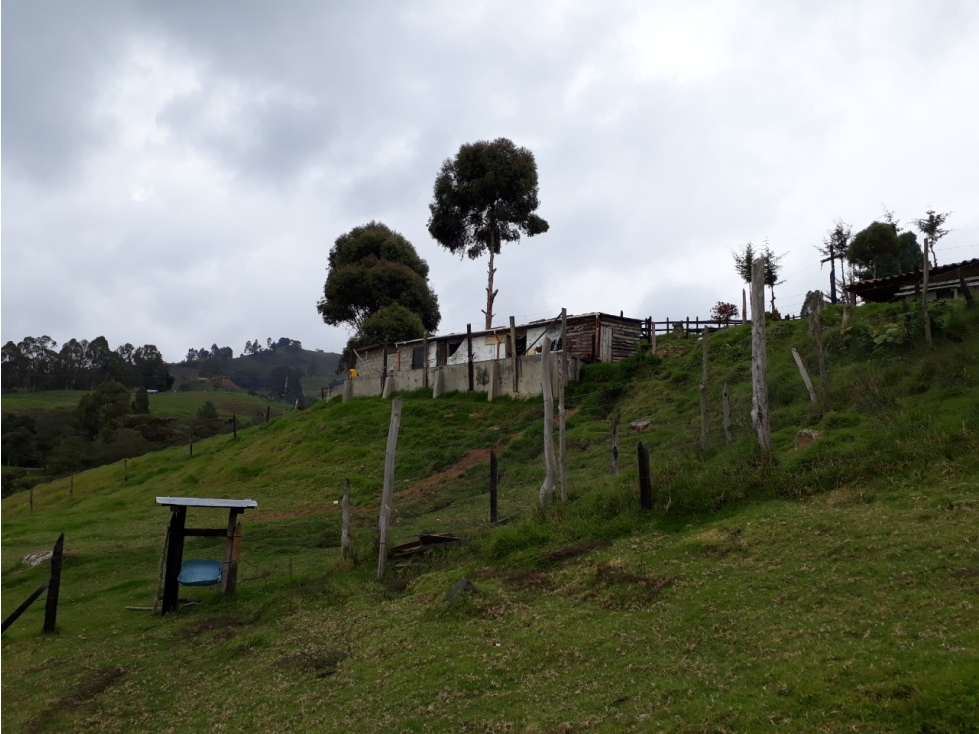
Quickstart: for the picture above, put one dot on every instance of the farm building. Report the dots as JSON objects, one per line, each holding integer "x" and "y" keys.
{"x": 944, "y": 282}
{"x": 504, "y": 360}
{"x": 593, "y": 337}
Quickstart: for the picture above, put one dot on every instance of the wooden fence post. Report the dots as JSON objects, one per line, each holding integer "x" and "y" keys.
{"x": 469, "y": 347}
{"x": 704, "y": 426}
{"x": 234, "y": 424}
{"x": 494, "y": 377}
{"x": 158, "y": 599}
{"x": 562, "y": 442}
{"x": 744, "y": 307}
{"x": 805, "y": 375}
{"x": 645, "y": 483}
{"x": 652, "y": 335}
{"x": 970, "y": 301}
{"x": 924, "y": 293}
{"x": 425, "y": 360}
{"x": 494, "y": 479}
{"x": 759, "y": 357}
{"x": 54, "y": 586}
{"x": 726, "y": 407}
{"x": 547, "y": 488}
{"x": 820, "y": 347}
{"x": 514, "y": 356}
{"x": 268, "y": 412}
{"x": 387, "y": 494}
{"x": 345, "y": 521}
{"x": 615, "y": 443}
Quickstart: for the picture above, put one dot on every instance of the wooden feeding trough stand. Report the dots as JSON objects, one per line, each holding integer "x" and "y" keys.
{"x": 200, "y": 572}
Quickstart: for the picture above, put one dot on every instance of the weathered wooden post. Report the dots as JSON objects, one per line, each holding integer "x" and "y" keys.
{"x": 970, "y": 301}
{"x": 15, "y": 615}
{"x": 645, "y": 483}
{"x": 817, "y": 327}
{"x": 615, "y": 443}
{"x": 425, "y": 360}
{"x": 268, "y": 413}
{"x": 348, "y": 392}
{"x": 387, "y": 494}
{"x": 547, "y": 488}
{"x": 345, "y": 521}
{"x": 514, "y": 356}
{"x": 494, "y": 379}
{"x": 54, "y": 586}
{"x": 704, "y": 425}
{"x": 469, "y": 346}
{"x": 744, "y": 307}
{"x": 232, "y": 553}
{"x": 652, "y": 335}
{"x": 562, "y": 442}
{"x": 726, "y": 407}
{"x": 759, "y": 357}
{"x": 234, "y": 425}
{"x": 494, "y": 479}
{"x": 924, "y": 292}
{"x": 805, "y": 375}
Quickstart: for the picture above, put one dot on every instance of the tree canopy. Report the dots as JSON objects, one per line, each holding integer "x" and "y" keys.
{"x": 485, "y": 196}
{"x": 372, "y": 267}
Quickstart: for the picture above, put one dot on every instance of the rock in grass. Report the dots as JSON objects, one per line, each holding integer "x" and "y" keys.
{"x": 36, "y": 559}
{"x": 462, "y": 587}
{"x": 805, "y": 437}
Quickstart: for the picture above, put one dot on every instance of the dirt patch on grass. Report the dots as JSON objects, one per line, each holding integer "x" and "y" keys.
{"x": 84, "y": 692}
{"x": 532, "y": 581}
{"x": 614, "y": 572}
{"x": 427, "y": 488}
{"x": 572, "y": 551}
{"x": 323, "y": 662}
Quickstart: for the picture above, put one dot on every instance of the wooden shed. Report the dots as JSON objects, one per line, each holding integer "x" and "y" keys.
{"x": 944, "y": 282}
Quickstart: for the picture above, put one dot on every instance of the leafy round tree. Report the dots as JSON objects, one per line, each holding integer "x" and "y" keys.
{"x": 873, "y": 249}
{"x": 378, "y": 286}
{"x": 485, "y": 196}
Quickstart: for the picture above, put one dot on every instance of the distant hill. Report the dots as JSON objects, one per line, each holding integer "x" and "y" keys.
{"x": 283, "y": 372}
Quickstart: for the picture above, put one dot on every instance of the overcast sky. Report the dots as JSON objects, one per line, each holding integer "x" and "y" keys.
{"x": 176, "y": 173}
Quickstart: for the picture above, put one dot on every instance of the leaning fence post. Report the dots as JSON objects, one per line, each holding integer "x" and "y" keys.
{"x": 345, "y": 521}
{"x": 645, "y": 483}
{"x": 615, "y": 442}
{"x": 494, "y": 479}
{"x": 805, "y": 375}
{"x": 388, "y": 492}
{"x": 54, "y": 586}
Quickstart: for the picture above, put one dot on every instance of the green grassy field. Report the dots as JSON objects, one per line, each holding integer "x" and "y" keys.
{"x": 182, "y": 405}
{"x": 830, "y": 588}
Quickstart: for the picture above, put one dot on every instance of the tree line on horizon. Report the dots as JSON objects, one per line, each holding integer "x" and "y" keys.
{"x": 36, "y": 364}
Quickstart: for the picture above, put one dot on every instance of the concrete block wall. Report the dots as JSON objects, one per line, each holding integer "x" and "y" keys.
{"x": 456, "y": 378}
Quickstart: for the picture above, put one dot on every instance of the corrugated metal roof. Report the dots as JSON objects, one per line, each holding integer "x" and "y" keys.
{"x": 890, "y": 279}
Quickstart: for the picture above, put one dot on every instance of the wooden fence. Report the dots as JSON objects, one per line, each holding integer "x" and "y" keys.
{"x": 692, "y": 326}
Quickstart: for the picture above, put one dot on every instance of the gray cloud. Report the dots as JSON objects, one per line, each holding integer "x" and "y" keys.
{"x": 176, "y": 173}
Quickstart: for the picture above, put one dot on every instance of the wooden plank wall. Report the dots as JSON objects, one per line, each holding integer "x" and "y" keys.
{"x": 625, "y": 338}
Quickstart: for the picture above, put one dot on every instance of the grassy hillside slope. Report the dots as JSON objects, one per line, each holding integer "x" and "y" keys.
{"x": 828, "y": 588}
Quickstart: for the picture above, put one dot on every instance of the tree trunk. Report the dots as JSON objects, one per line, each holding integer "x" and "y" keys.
{"x": 924, "y": 294}
{"x": 490, "y": 293}
{"x": 832, "y": 279}
{"x": 759, "y": 357}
